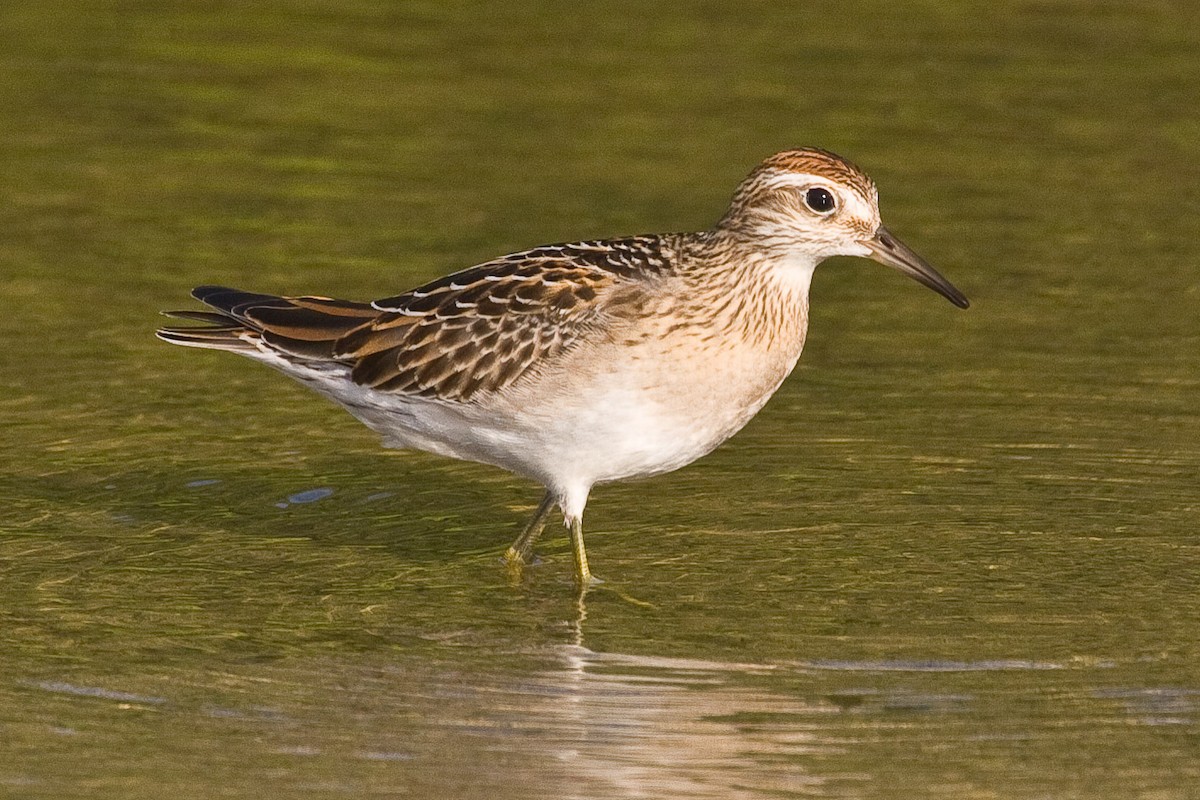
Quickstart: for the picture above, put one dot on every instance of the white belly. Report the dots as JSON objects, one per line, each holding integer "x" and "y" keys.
{"x": 632, "y": 418}
{"x": 603, "y": 415}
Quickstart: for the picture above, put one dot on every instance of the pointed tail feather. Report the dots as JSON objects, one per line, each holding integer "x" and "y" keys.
{"x": 232, "y": 339}
{"x": 303, "y": 327}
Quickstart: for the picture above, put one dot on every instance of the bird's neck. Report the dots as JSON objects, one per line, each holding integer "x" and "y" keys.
{"x": 759, "y": 294}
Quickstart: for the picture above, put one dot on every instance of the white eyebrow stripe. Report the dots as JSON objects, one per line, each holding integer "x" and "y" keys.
{"x": 796, "y": 180}
{"x": 847, "y": 196}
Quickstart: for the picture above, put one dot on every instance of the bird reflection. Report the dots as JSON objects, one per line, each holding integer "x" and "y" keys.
{"x": 598, "y": 724}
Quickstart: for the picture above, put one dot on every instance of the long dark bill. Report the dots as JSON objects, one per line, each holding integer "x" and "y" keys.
{"x": 887, "y": 249}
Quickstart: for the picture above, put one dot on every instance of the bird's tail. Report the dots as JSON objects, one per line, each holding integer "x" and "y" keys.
{"x": 243, "y": 322}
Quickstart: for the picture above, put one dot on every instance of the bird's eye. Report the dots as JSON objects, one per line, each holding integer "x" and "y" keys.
{"x": 820, "y": 200}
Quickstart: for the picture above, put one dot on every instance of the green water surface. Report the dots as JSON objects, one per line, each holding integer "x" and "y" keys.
{"x": 957, "y": 556}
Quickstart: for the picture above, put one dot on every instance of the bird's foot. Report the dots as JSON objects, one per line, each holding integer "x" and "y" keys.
{"x": 518, "y": 558}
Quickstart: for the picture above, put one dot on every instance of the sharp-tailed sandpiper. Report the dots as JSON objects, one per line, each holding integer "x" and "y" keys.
{"x": 582, "y": 363}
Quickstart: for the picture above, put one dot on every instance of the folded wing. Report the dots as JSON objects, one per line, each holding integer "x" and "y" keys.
{"x": 478, "y": 330}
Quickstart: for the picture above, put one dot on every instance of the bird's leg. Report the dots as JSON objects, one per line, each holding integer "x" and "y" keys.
{"x": 521, "y": 551}
{"x": 582, "y": 574}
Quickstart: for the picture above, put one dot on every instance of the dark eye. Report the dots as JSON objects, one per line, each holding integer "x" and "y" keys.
{"x": 820, "y": 200}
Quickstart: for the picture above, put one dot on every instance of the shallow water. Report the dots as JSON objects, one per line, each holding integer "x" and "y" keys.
{"x": 956, "y": 556}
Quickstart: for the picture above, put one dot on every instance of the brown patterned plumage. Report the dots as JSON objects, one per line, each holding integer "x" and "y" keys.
{"x": 581, "y": 363}
{"x": 477, "y": 330}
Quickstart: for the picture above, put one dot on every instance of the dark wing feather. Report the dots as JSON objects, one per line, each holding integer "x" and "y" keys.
{"x": 478, "y": 330}
{"x": 304, "y": 327}
{"x": 481, "y": 329}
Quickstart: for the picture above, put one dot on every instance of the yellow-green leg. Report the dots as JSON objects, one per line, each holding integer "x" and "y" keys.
{"x": 582, "y": 574}
{"x": 521, "y": 551}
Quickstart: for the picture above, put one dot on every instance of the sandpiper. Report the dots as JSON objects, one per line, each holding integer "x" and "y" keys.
{"x": 582, "y": 363}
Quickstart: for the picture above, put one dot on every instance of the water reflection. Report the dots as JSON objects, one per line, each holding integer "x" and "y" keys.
{"x": 508, "y": 719}
{"x": 631, "y": 726}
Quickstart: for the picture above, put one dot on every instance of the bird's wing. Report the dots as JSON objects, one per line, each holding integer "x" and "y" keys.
{"x": 481, "y": 329}
{"x": 472, "y": 332}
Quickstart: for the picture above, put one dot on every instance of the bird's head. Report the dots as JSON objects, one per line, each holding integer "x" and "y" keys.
{"x": 809, "y": 204}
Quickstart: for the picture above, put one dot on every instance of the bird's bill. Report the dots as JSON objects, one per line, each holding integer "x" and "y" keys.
{"x": 887, "y": 249}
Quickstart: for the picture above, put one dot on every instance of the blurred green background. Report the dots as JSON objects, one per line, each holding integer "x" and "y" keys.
{"x": 956, "y": 556}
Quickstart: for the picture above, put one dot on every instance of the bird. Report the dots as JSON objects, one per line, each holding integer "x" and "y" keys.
{"x": 584, "y": 363}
